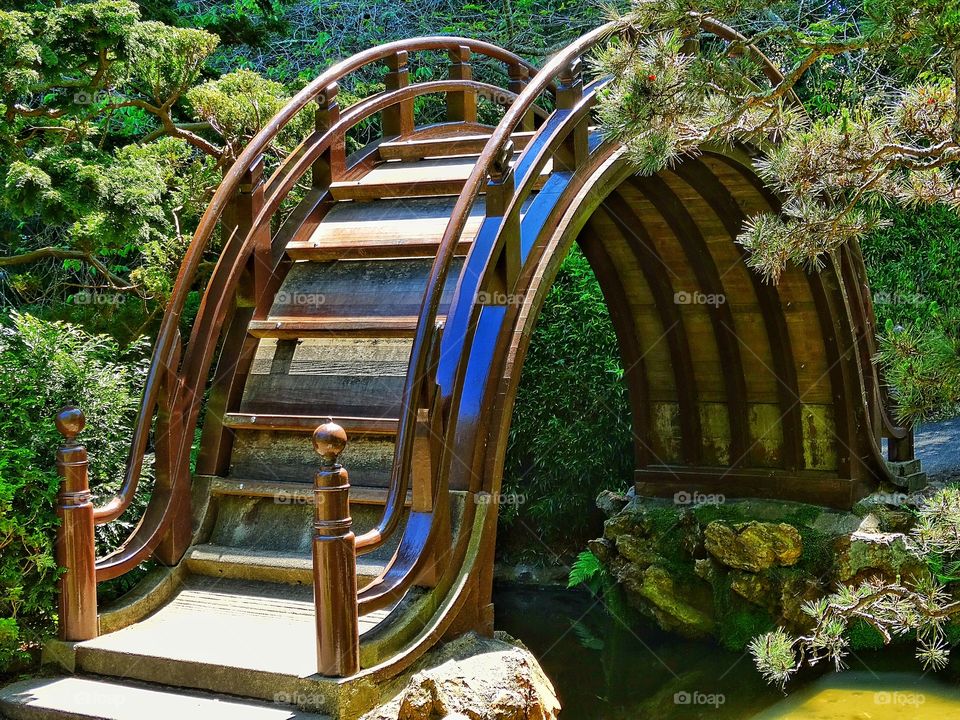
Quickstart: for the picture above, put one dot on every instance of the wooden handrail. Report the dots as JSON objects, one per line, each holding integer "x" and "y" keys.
{"x": 493, "y": 166}
{"x": 133, "y": 550}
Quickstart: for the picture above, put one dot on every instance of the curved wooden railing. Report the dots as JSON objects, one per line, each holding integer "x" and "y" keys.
{"x": 174, "y": 388}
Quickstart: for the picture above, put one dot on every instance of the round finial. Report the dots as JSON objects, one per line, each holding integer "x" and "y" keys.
{"x": 329, "y": 440}
{"x": 70, "y": 421}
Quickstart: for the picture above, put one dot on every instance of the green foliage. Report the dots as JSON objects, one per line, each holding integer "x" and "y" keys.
{"x": 571, "y": 434}
{"x": 44, "y": 366}
{"x": 922, "y": 608}
{"x": 587, "y": 570}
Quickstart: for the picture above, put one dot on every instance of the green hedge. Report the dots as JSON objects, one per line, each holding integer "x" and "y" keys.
{"x": 44, "y": 366}
{"x": 571, "y": 434}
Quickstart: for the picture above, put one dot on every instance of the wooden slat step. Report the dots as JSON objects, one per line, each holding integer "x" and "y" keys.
{"x": 309, "y": 423}
{"x": 301, "y": 492}
{"x": 353, "y": 296}
{"x": 444, "y": 147}
{"x": 391, "y": 228}
{"x": 288, "y": 457}
{"x": 295, "y": 328}
{"x": 420, "y": 178}
{"x": 338, "y": 376}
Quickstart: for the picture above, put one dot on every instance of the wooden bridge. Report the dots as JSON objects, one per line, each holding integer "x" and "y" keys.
{"x": 394, "y": 289}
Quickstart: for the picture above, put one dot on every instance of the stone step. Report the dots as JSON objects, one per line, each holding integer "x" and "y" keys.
{"x": 249, "y": 639}
{"x": 80, "y": 698}
{"x": 219, "y": 561}
{"x": 904, "y": 468}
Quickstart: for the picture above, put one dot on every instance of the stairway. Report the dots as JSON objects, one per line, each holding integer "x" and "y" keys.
{"x": 236, "y": 618}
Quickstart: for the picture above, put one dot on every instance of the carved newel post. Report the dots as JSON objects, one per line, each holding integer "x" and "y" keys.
{"x": 75, "y": 548}
{"x": 334, "y": 559}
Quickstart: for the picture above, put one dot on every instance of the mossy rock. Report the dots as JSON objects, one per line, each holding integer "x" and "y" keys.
{"x": 754, "y": 546}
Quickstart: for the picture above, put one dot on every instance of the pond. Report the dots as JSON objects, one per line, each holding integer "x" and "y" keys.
{"x": 603, "y": 671}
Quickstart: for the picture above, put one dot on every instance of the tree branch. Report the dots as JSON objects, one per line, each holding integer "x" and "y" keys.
{"x": 116, "y": 282}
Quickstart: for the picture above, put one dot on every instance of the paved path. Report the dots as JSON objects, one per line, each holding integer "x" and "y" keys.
{"x": 938, "y": 447}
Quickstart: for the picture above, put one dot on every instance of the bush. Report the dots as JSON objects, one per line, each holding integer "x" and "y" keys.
{"x": 912, "y": 267}
{"x": 571, "y": 434}
{"x": 44, "y": 366}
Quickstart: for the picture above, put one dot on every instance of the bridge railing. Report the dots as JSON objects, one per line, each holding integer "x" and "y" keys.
{"x": 243, "y": 206}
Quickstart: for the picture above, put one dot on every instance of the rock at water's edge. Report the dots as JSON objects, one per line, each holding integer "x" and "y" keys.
{"x": 474, "y": 677}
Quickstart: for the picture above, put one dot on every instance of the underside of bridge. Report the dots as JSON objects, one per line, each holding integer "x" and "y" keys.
{"x": 737, "y": 385}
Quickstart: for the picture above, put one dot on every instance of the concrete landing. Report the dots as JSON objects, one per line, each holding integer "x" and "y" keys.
{"x": 266, "y": 627}
{"x": 83, "y": 698}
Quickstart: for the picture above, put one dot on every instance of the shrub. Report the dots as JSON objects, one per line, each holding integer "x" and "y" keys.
{"x": 571, "y": 434}
{"x": 44, "y": 366}
{"x": 912, "y": 266}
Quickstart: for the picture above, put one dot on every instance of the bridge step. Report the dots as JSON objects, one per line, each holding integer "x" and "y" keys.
{"x": 250, "y": 639}
{"x": 82, "y": 698}
{"x": 219, "y": 561}
{"x": 293, "y": 329}
{"x": 410, "y": 227}
{"x": 309, "y": 423}
{"x": 420, "y": 178}
{"x": 293, "y": 492}
{"x": 445, "y": 147}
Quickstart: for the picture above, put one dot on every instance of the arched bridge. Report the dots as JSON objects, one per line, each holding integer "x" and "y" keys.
{"x": 393, "y": 285}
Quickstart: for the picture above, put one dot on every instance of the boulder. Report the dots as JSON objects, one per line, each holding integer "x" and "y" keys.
{"x": 476, "y": 678}
{"x": 670, "y": 604}
{"x": 753, "y": 546}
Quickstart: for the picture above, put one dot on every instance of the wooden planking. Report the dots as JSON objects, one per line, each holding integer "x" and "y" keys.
{"x": 656, "y": 272}
{"x": 309, "y": 423}
{"x": 410, "y": 227}
{"x": 445, "y": 147}
{"x": 802, "y": 486}
{"x": 290, "y": 457}
{"x": 291, "y": 328}
{"x": 345, "y": 377}
{"x": 357, "y": 289}
{"x": 421, "y": 178}
{"x": 300, "y": 493}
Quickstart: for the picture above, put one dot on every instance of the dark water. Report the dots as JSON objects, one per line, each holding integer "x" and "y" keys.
{"x": 603, "y": 671}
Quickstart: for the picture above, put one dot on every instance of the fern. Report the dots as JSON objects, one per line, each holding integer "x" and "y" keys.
{"x": 586, "y": 570}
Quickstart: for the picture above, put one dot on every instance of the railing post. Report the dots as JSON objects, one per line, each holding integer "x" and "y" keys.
{"x": 519, "y": 77}
{"x": 461, "y": 106}
{"x": 500, "y": 191}
{"x": 331, "y": 164}
{"x": 397, "y": 119}
{"x": 75, "y": 542}
{"x": 334, "y": 559}
{"x": 575, "y": 148}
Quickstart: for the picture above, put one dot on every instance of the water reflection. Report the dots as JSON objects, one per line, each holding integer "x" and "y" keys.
{"x": 602, "y": 671}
